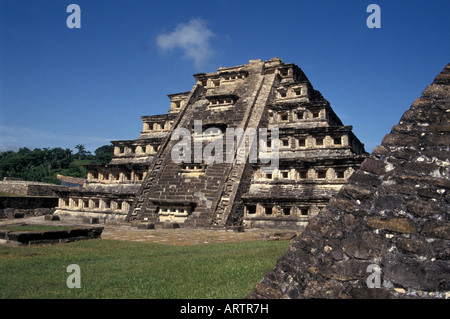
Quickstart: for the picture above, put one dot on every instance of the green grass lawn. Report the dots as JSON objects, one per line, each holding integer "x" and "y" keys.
{"x": 119, "y": 269}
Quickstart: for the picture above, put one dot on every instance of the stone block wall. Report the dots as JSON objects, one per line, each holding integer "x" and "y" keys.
{"x": 20, "y": 206}
{"x": 27, "y": 188}
{"x": 49, "y": 236}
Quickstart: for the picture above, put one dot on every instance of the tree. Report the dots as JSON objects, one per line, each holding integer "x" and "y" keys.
{"x": 104, "y": 154}
{"x": 81, "y": 150}
{"x": 24, "y": 151}
{"x": 43, "y": 165}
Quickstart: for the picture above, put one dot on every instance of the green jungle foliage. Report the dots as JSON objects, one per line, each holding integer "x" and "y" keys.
{"x": 42, "y": 165}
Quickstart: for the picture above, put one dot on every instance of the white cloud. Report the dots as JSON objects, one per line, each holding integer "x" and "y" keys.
{"x": 193, "y": 38}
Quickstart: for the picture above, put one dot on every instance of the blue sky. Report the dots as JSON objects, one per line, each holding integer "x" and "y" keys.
{"x": 60, "y": 87}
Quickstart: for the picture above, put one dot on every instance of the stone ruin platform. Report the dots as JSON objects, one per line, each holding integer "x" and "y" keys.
{"x": 43, "y": 237}
{"x": 72, "y": 231}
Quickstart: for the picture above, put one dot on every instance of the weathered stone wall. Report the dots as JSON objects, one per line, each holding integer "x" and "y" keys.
{"x": 19, "y": 206}
{"x": 49, "y": 236}
{"x": 27, "y": 188}
{"x": 27, "y": 202}
{"x": 387, "y": 232}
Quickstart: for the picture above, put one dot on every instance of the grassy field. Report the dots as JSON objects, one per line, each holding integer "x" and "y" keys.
{"x": 119, "y": 269}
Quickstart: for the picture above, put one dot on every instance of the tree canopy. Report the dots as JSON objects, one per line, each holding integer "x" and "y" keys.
{"x": 44, "y": 164}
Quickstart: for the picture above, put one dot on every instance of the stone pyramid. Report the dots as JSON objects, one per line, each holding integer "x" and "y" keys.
{"x": 386, "y": 234}
{"x": 145, "y": 184}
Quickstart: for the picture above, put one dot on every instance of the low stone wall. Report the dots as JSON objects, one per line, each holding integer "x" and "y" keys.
{"x": 80, "y": 215}
{"x": 21, "y": 206}
{"x": 275, "y": 223}
{"x": 49, "y": 236}
{"x": 27, "y": 188}
{"x": 28, "y": 202}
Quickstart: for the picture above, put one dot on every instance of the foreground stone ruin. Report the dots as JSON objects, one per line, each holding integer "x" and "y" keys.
{"x": 143, "y": 183}
{"x": 25, "y": 198}
{"x": 387, "y": 232}
{"x": 24, "y": 237}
